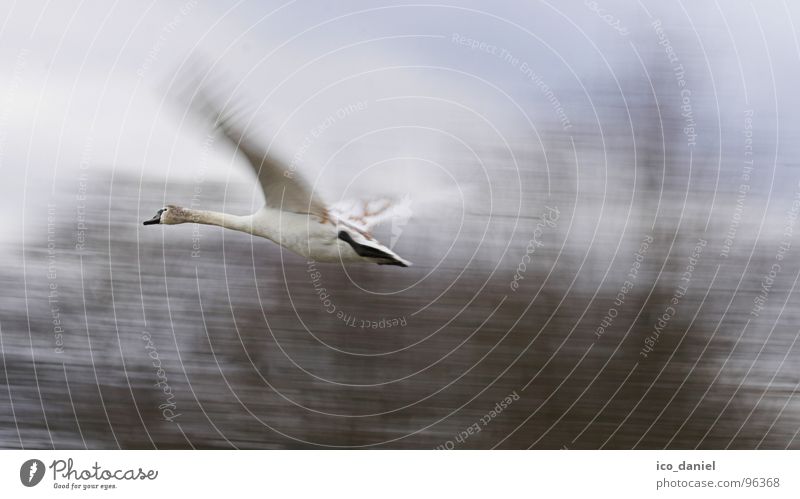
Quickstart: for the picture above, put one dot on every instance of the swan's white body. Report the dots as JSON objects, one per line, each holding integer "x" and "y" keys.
{"x": 304, "y": 234}
{"x": 294, "y": 216}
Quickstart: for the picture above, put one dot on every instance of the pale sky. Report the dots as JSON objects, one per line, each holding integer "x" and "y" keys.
{"x": 85, "y": 81}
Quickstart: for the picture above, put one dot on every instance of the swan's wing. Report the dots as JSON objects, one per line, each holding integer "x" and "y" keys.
{"x": 284, "y": 188}
{"x": 366, "y": 214}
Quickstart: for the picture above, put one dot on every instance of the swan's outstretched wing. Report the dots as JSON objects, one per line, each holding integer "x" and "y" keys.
{"x": 366, "y": 214}
{"x": 284, "y": 188}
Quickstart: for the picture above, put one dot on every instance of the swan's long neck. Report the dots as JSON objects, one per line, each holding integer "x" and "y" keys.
{"x": 284, "y": 228}
{"x": 226, "y": 220}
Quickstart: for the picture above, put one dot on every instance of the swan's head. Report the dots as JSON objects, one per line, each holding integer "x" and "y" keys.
{"x": 168, "y": 215}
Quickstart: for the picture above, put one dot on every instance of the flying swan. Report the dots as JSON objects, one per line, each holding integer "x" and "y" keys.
{"x": 294, "y": 216}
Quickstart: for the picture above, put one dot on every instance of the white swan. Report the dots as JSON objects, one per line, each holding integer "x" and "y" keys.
{"x": 294, "y": 216}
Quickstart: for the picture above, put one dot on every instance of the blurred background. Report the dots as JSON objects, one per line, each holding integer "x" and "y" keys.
{"x": 604, "y": 199}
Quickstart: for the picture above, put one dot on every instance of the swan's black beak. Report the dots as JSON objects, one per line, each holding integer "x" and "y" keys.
{"x": 155, "y": 220}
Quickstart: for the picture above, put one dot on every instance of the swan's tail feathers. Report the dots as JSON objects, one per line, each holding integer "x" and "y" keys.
{"x": 366, "y": 214}
{"x": 398, "y": 263}
{"x": 373, "y": 251}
